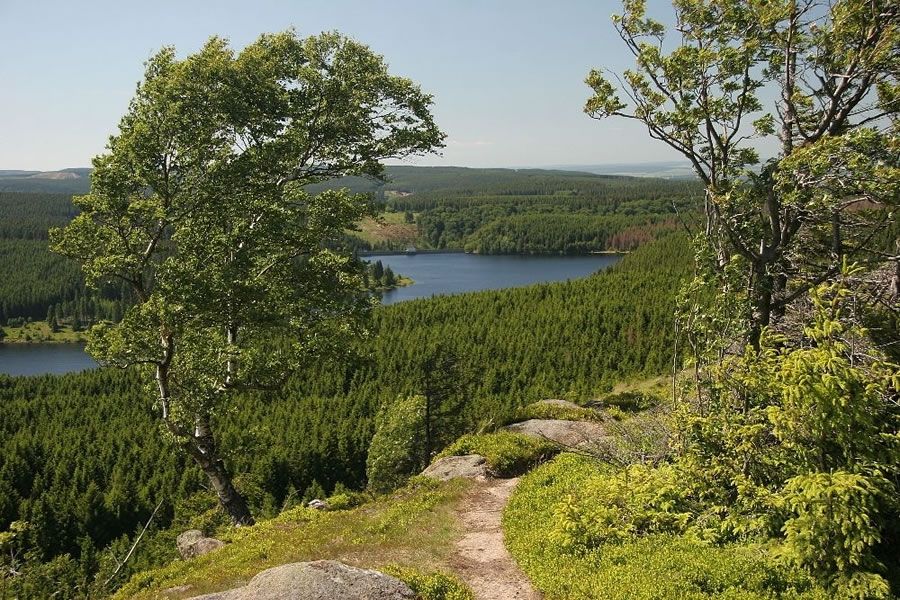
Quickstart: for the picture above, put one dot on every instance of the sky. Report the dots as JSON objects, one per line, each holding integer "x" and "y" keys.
{"x": 507, "y": 76}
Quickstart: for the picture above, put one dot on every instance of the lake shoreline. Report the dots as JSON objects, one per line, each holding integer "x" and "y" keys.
{"x": 421, "y": 275}
{"x": 447, "y": 273}
{"x": 454, "y": 251}
{"x": 44, "y": 358}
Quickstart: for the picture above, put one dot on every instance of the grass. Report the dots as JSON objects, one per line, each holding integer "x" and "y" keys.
{"x": 660, "y": 386}
{"x": 414, "y": 527}
{"x": 628, "y": 398}
{"x": 39, "y": 332}
{"x": 507, "y": 454}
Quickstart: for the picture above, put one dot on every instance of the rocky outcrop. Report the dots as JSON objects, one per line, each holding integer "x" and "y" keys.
{"x": 472, "y": 466}
{"x": 193, "y": 543}
{"x": 569, "y": 434}
{"x": 318, "y": 580}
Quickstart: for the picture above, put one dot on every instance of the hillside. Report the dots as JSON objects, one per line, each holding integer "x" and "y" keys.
{"x": 509, "y": 347}
{"x": 65, "y": 181}
{"x": 489, "y": 211}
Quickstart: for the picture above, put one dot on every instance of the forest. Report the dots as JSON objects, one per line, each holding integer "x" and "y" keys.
{"x": 488, "y": 211}
{"x": 529, "y": 211}
{"x": 36, "y": 284}
{"x": 736, "y": 371}
{"x": 314, "y": 435}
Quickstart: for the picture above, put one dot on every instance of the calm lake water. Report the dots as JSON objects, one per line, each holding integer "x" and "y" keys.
{"x": 456, "y": 273}
{"x": 433, "y": 274}
{"x": 37, "y": 359}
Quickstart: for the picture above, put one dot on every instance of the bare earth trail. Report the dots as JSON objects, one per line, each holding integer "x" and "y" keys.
{"x": 481, "y": 558}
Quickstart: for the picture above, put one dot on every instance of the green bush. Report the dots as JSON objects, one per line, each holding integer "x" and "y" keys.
{"x": 617, "y": 506}
{"x": 545, "y": 410}
{"x": 833, "y": 526}
{"x": 629, "y": 401}
{"x": 397, "y": 449}
{"x": 577, "y": 531}
{"x": 431, "y": 586}
{"x": 508, "y": 454}
{"x": 347, "y": 500}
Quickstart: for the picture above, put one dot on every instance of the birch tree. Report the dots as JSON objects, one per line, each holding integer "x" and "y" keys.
{"x": 821, "y": 75}
{"x": 199, "y": 204}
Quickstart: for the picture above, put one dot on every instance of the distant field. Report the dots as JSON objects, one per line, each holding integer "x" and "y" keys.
{"x": 389, "y": 227}
{"x": 39, "y": 331}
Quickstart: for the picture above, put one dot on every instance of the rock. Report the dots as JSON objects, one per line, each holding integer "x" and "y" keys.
{"x": 187, "y": 538}
{"x": 317, "y": 504}
{"x": 570, "y": 434}
{"x": 193, "y": 543}
{"x": 318, "y": 580}
{"x": 472, "y": 466}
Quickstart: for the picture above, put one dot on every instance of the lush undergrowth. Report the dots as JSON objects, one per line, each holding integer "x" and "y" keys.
{"x": 566, "y": 525}
{"x": 432, "y": 585}
{"x": 411, "y": 532}
{"x": 507, "y": 454}
{"x": 550, "y": 410}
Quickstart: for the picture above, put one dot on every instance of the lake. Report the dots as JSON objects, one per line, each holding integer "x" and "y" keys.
{"x": 456, "y": 273}
{"x": 433, "y": 274}
{"x": 38, "y": 359}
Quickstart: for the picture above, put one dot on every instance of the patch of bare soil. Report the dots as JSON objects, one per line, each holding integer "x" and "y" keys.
{"x": 481, "y": 558}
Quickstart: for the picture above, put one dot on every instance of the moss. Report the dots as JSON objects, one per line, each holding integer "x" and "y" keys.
{"x": 508, "y": 454}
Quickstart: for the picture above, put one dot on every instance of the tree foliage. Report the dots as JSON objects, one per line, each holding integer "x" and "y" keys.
{"x": 199, "y": 206}
{"x": 833, "y": 68}
{"x": 398, "y": 446}
{"x": 790, "y": 440}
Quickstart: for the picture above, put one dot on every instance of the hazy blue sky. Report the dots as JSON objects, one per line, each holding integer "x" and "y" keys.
{"x": 507, "y": 76}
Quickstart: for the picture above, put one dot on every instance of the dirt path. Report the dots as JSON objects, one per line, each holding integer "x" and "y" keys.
{"x": 481, "y": 558}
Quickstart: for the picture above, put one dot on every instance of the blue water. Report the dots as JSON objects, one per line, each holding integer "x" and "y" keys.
{"x": 38, "y": 359}
{"x": 435, "y": 274}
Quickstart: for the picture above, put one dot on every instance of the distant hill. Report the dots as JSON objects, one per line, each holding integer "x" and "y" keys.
{"x": 663, "y": 169}
{"x": 64, "y": 181}
{"x": 467, "y": 180}
{"x": 403, "y": 179}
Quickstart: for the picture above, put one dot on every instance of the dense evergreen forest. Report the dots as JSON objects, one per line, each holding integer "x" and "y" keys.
{"x": 495, "y": 211}
{"x": 574, "y": 339}
{"x": 488, "y": 211}
{"x": 35, "y": 284}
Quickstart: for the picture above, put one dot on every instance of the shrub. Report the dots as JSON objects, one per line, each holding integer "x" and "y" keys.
{"x": 631, "y": 401}
{"x": 616, "y": 506}
{"x": 397, "y": 449}
{"x": 835, "y": 524}
{"x": 431, "y": 586}
{"x": 508, "y": 454}
{"x": 582, "y": 530}
{"x": 642, "y": 438}
{"x": 547, "y": 410}
{"x": 347, "y": 500}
